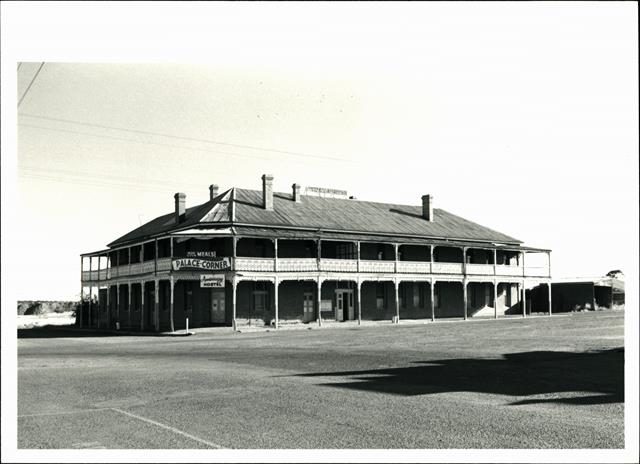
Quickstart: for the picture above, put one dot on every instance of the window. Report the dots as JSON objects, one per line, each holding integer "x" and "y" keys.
{"x": 418, "y": 295}
{"x": 260, "y": 302}
{"x": 404, "y": 294}
{"x": 380, "y": 296}
{"x": 345, "y": 251}
{"x": 436, "y": 298}
{"x": 166, "y": 297}
{"x": 261, "y": 297}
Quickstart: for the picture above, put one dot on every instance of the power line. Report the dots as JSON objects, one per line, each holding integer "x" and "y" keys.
{"x": 96, "y": 183}
{"x": 70, "y": 121}
{"x": 30, "y": 83}
{"x": 84, "y": 174}
{"x": 110, "y": 137}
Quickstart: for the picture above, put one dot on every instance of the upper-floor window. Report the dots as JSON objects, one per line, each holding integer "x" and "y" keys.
{"x": 345, "y": 251}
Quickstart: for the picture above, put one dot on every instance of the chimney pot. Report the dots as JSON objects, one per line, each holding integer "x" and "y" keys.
{"x": 296, "y": 193}
{"x": 267, "y": 191}
{"x": 427, "y": 207}
{"x": 213, "y": 191}
{"x": 180, "y": 206}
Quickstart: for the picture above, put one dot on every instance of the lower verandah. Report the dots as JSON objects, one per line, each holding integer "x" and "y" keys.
{"x": 133, "y": 306}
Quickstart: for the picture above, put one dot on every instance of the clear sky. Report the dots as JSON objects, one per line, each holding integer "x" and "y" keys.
{"x": 522, "y": 118}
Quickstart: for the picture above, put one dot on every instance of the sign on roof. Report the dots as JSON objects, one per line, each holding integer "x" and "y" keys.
{"x": 325, "y": 192}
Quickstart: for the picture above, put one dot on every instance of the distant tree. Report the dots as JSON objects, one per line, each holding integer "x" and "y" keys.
{"x": 616, "y": 274}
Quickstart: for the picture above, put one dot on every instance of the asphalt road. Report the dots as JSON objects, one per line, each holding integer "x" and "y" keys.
{"x": 538, "y": 382}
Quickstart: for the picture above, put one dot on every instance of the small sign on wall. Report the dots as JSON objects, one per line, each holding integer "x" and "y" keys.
{"x": 212, "y": 281}
{"x": 326, "y": 306}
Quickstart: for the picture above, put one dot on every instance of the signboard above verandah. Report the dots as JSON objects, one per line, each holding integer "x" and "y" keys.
{"x": 190, "y": 264}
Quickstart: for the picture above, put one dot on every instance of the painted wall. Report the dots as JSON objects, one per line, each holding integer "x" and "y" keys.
{"x": 450, "y": 299}
{"x": 475, "y": 256}
{"x": 415, "y": 300}
{"x": 374, "y": 251}
{"x": 447, "y": 254}
{"x": 291, "y": 299}
{"x": 370, "y": 292}
{"x": 414, "y": 253}
{"x": 246, "y": 313}
{"x": 297, "y": 249}
{"x": 480, "y": 299}
{"x": 255, "y": 247}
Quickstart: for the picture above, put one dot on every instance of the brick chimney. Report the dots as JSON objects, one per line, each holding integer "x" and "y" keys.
{"x": 427, "y": 207}
{"x": 267, "y": 191}
{"x": 180, "y": 206}
{"x": 296, "y": 193}
{"x": 213, "y": 191}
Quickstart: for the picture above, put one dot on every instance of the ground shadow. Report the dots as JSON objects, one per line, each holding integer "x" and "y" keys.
{"x": 598, "y": 373}
{"x": 71, "y": 331}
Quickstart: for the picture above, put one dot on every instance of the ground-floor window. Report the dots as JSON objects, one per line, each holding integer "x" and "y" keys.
{"x": 381, "y": 295}
{"x": 260, "y": 302}
{"x": 404, "y": 296}
{"x": 166, "y": 296}
{"x": 421, "y": 296}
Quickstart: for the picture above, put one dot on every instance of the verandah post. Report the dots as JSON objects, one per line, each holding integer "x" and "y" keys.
{"x": 432, "y": 291}
{"x": 319, "y": 301}
{"x": 358, "y": 299}
{"x": 549, "y": 295}
{"x": 156, "y": 315}
{"x": 234, "y": 286}
{"x": 464, "y": 297}
{"x": 495, "y": 299}
{"x": 276, "y": 284}
{"x": 142, "y": 289}
{"x": 172, "y": 283}
{"x": 396, "y": 285}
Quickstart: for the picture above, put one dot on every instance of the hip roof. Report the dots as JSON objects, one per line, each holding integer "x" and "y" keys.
{"x": 244, "y": 207}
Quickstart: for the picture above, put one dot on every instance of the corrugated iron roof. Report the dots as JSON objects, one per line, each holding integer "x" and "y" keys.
{"x": 328, "y": 215}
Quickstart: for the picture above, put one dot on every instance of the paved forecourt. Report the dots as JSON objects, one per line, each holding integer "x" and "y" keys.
{"x": 539, "y": 382}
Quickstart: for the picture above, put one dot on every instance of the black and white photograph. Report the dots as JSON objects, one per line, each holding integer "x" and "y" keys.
{"x": 320, "y": 231}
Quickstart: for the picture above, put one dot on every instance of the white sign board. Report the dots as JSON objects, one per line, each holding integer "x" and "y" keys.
{"x": 212, "y": 281}
{"x": 219, "y": 264}
{"x": 325, "y": 192}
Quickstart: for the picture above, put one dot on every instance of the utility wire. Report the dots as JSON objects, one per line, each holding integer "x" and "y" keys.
{"x": 49, "y": 171}
{"x": 30, "y": 83}
{"x": 70, "y": 121}
{"x": 110, "y": 137}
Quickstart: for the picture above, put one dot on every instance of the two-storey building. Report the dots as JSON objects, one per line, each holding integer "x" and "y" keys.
{"x": 268, "y": 258}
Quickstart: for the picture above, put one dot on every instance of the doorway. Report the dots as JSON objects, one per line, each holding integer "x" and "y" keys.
{"x": 308, "y": 307}
{"x": 217, "y": 306}
{"x": 344, "y": 305}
